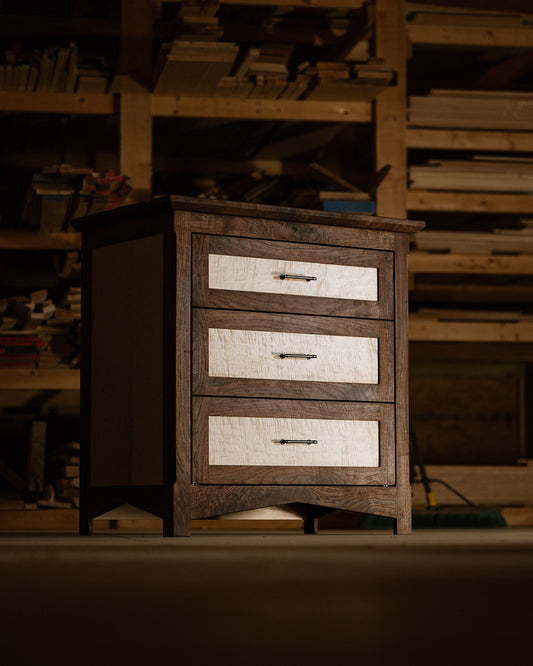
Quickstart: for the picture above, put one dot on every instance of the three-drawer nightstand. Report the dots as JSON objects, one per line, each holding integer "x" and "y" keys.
{"x": 237, "y": 356}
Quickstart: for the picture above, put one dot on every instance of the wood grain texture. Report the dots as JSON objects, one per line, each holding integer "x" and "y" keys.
{"x": 403, "y": 519}
{"x": 214, "y": 500}
{"x": 259, "y": 355}
{"x": 85, "y": 520}
{"x": 127, "y": 363}
{"x": 329, "y": 258}
{"x": 233, "y": 212}
{"x": 286, "y": 410}
{"x": 264, "y": 275}
{"x": 242, "y": 440}
{"x": 179, "y": 480}
{"x": 204, "y": 384}
{"x": 238, "y": 209}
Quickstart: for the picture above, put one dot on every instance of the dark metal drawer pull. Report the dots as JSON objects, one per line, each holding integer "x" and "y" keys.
{"x": 307, "y": 278}
{"x": 308, "y": 356}
{"x": 298, "y": 441}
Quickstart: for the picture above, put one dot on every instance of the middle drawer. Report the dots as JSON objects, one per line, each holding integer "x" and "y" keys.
{"x": 252, "y": 354}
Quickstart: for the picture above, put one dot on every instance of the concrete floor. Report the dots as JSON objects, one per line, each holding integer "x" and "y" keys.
{"x": 436, "y": 597}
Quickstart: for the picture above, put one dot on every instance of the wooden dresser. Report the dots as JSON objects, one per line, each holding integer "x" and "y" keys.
{"x": 237, "y": 356}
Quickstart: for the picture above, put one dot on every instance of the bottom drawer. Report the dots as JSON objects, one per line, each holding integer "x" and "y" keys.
{"x": 245, "y": 441}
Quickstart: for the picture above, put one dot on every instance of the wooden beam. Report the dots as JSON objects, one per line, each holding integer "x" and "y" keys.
{"x": 34, "y": 102}
{"x": 36, "y": 240}
{"x": 421, "y": 33}
{"x": 40, "y": 379}
{"x": 261, "y": 109}
{"x": 469, "y": 202}
{"x": 137, "y": 17}
{"x": 71, "y": 26}
{"x": 469, "y": 140}
{"x": 490, "y": 264}
{"x": 390, "y": 109}
{"x": 422, "y": 329}
{"x": 481, "y": 5}
{"x": 333, "y": 4}
{"x": 135, "y": 137}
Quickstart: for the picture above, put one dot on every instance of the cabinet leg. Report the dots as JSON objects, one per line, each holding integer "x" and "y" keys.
{"x": 402, "y": 524}
{"x": 310, "y": 524}
{"x": 176, "y": 527}
{"x": 85, "y": 525}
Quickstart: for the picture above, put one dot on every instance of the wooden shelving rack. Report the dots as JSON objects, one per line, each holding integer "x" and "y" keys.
{"x": 136, "y": 107}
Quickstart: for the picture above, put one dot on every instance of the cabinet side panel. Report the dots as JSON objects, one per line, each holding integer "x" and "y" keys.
{"x": 127, "y": 363}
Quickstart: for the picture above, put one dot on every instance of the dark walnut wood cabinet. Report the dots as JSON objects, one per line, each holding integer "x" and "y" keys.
{"x": 237, "y": 356}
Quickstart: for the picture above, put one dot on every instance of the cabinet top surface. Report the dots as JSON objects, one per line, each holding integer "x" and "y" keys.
{"x": 238, "y": 209}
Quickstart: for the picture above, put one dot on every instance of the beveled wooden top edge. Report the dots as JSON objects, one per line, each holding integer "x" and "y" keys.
{"x": 286, "y": 214}
{"x": 235, "y": 208}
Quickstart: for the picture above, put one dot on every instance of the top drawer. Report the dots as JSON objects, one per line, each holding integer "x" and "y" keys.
{"x": 273, "y": 276}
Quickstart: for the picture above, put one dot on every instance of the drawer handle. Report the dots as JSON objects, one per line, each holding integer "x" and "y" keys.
{"x": 307, "y": 278}
{"x": 307, "y": 356}
{"x": 298, "y": 441}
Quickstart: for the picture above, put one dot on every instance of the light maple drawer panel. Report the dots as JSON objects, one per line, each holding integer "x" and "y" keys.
{"x": 265, "y": 355}
{"x": 267, "y": 440}
{"x": 275, "y": 276}
{"x": 273, "y": 441}
{"x": 261, "y": 355}
{"x": 297, "y": 278}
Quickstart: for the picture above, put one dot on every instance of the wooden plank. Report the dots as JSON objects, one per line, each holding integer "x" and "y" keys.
{"x": 37, "y": 379}
{"x": 136, "y": 39}
{"x": 469, "y": 140}
{"x": 261, "y": 109}
{"x": 135, "y": 137}
{"x": 349, "y": 4}
{"x": 34, "y": 102}
{"x": 430, "y": 262}
{"x": 390, "y": 109}
{"x": 426, "y": 329}
{"x": 39, "y": 519}
{"x": 482, "y": 484}
{"x": 470, "y": 35}
{"x": 469, "y": 202}
{"x": 464, "y": 242}
{"x": 20, "y": 24}
{"x": 34, "y": 240}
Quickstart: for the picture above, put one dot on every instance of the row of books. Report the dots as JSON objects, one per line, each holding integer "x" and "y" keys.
{"x": 60, "y": 193}
{"x": 54, "y": 69}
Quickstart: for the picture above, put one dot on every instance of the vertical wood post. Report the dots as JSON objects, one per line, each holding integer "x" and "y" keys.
{"x": 136, "y": 137}
{"x": 135, "y": 99}
{"x": 391, "y": 109}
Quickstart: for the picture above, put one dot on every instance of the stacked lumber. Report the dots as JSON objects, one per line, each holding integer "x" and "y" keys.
{"x": 472, "y": 109}
{"x": 470, "y": 326}
{"x": 499, "y": 241}
{"x": 53, "y": 69}
{"x": 476, "y": 175}
{"x": 350, "y": 82}
{"x": 35, "y": 332}
{"x": 25, "y": 312}
{"x": 193, "y": 68}
{"x": 59, "y": 193}
{"x": 63, "y": 475}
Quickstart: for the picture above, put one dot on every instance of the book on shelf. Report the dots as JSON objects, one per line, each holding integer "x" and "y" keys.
{"x": 55, "y": 69}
